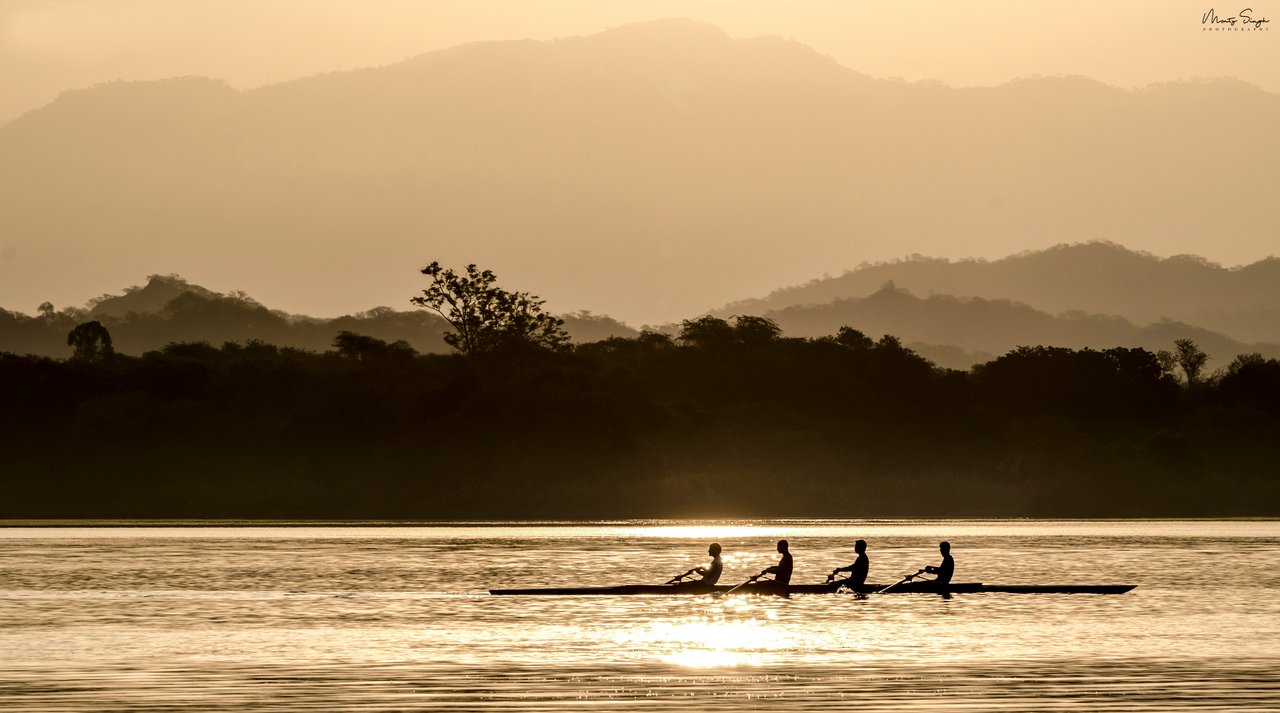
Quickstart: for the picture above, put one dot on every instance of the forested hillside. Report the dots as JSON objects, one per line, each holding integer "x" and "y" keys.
{"x": 730, "y": 419}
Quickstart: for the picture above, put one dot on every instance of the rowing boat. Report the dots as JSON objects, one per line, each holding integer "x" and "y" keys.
{"x": 830, "y": 588}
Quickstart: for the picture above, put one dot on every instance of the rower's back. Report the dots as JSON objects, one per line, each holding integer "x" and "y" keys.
{"x": 858, "y": 572}
{"x": 861, "y": 566}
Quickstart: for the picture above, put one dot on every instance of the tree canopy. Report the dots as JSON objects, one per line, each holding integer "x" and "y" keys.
{"x": 486, "y": 318}
{"x": 90, "y": 341}
{"x": 733, "y": 420}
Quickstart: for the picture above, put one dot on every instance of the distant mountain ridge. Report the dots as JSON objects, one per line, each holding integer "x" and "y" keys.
{"x": 644, "y": 172}
{"x": 152, "y": 297}
{"x": 169, "y": 309}
{"x": 1095, "y": 277}
{"x": 952, "y": 332}
{"x": 979, "y": 328}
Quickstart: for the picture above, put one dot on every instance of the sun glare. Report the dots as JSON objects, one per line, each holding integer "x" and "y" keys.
{"x": 710, "y": 642}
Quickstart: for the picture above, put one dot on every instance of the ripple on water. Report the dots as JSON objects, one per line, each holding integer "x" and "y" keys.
{"x": 397, "y": 618}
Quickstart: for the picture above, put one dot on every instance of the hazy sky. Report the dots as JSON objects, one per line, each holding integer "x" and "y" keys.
{"x": 1168, "y": 206}
{"x": 47, "y": 46}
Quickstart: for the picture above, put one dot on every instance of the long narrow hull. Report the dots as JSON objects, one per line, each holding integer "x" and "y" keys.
{"x": 778, "y": 590}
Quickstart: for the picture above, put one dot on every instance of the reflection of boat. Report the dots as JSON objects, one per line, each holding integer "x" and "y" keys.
{"x": 770, "y": 588}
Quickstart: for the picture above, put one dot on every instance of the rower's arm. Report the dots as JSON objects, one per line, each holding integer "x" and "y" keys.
{"x": 838, "y": 570}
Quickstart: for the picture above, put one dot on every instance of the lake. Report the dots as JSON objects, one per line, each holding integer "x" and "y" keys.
{"x": 398, "y": 618}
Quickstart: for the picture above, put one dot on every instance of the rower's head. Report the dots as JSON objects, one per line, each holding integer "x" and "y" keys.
{"x": 860, "y": 546}
{"x": 782, "y": 546}
{"x": 944, "y": 547}
{"x": 714, "y": 549}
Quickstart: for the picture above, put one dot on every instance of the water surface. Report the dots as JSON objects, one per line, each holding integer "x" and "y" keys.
{"x": 395, "y": 618}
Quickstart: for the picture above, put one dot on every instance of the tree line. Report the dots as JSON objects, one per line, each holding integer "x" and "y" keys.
{"x": 727, "y": 417}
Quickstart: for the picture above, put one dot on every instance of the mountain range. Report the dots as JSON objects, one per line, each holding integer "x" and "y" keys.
{"x": 1099, "y": 278}
{"x": 169, "y": 309}
{"x": 960, "y": 332}
{"x": 644, "y": 172}
{"x": 952, "y": 331}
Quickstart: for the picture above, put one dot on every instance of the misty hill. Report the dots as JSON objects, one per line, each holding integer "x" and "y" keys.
{"x": 590, "y": 165}
{"x": 154, "y": 296}
{"x": 976, "y": 328}
{"x": 169, "y": 309}
{"x": 952, "y": 332}
{"x": 587, "y": 327}
{"x": 1097, "y": 277}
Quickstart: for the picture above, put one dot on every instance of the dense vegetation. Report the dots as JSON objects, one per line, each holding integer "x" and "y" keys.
{"x": 728, "y": 419}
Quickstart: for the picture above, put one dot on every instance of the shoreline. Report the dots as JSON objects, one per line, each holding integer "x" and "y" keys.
{"x": 16, "y": 523}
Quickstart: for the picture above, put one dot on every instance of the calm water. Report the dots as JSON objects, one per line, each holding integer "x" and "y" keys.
{"x": 395, "y": 618}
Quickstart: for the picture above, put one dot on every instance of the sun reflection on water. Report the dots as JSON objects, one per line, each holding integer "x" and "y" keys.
{"x": 705, "y": 531}
{"x": 740, "y": 634}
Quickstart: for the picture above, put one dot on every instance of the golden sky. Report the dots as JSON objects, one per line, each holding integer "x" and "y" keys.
{"x": 47, "y": 46}
{"x": 1186, "y": 169}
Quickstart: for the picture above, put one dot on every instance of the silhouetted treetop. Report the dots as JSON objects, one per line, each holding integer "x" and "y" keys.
{"x": 91, "y": 342}
{"x": 1252, "y": 381}
{"x": 486, "y": 318}
{"x": 1191, "y": 359}
{"x": 752, "y": 330}
{"x": 714, "y": 333}
{"x": 1079, "y": 384}
{"x": 706, "y": 333}
{"x": 852, "y": 338}
{"x": 369, "y": 349}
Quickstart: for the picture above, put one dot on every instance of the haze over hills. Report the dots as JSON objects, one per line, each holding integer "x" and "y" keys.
{"x": 952, "y": 332}
{"x": 168, "y": 309}
{"x": 978, "y": 329}
{"x": 644, "y": 172}
{"x": 1097, "y": 277}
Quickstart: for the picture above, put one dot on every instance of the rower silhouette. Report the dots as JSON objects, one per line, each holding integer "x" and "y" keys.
{"x": 945, "y": 570}
{"x": 858, "y": 570}
{"x": 782, "y": 571}
{"x": 711, "y": 573}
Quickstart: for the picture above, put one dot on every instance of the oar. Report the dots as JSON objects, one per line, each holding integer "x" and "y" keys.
{"x": 749, "y": 581}
{"x": 907, "y": 578}
{"x": 679, "y": 577}
{"x": 843, "y": 584}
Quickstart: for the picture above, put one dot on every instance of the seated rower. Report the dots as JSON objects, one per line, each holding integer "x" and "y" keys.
{"x": 858, "y": 570}
{"x": 711, "y": 573}
{"x": 782, "y": 571}
{"x": 945, "y": 570}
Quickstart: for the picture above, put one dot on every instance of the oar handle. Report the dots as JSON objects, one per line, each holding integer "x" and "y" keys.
{"x": 679, "y": 577}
